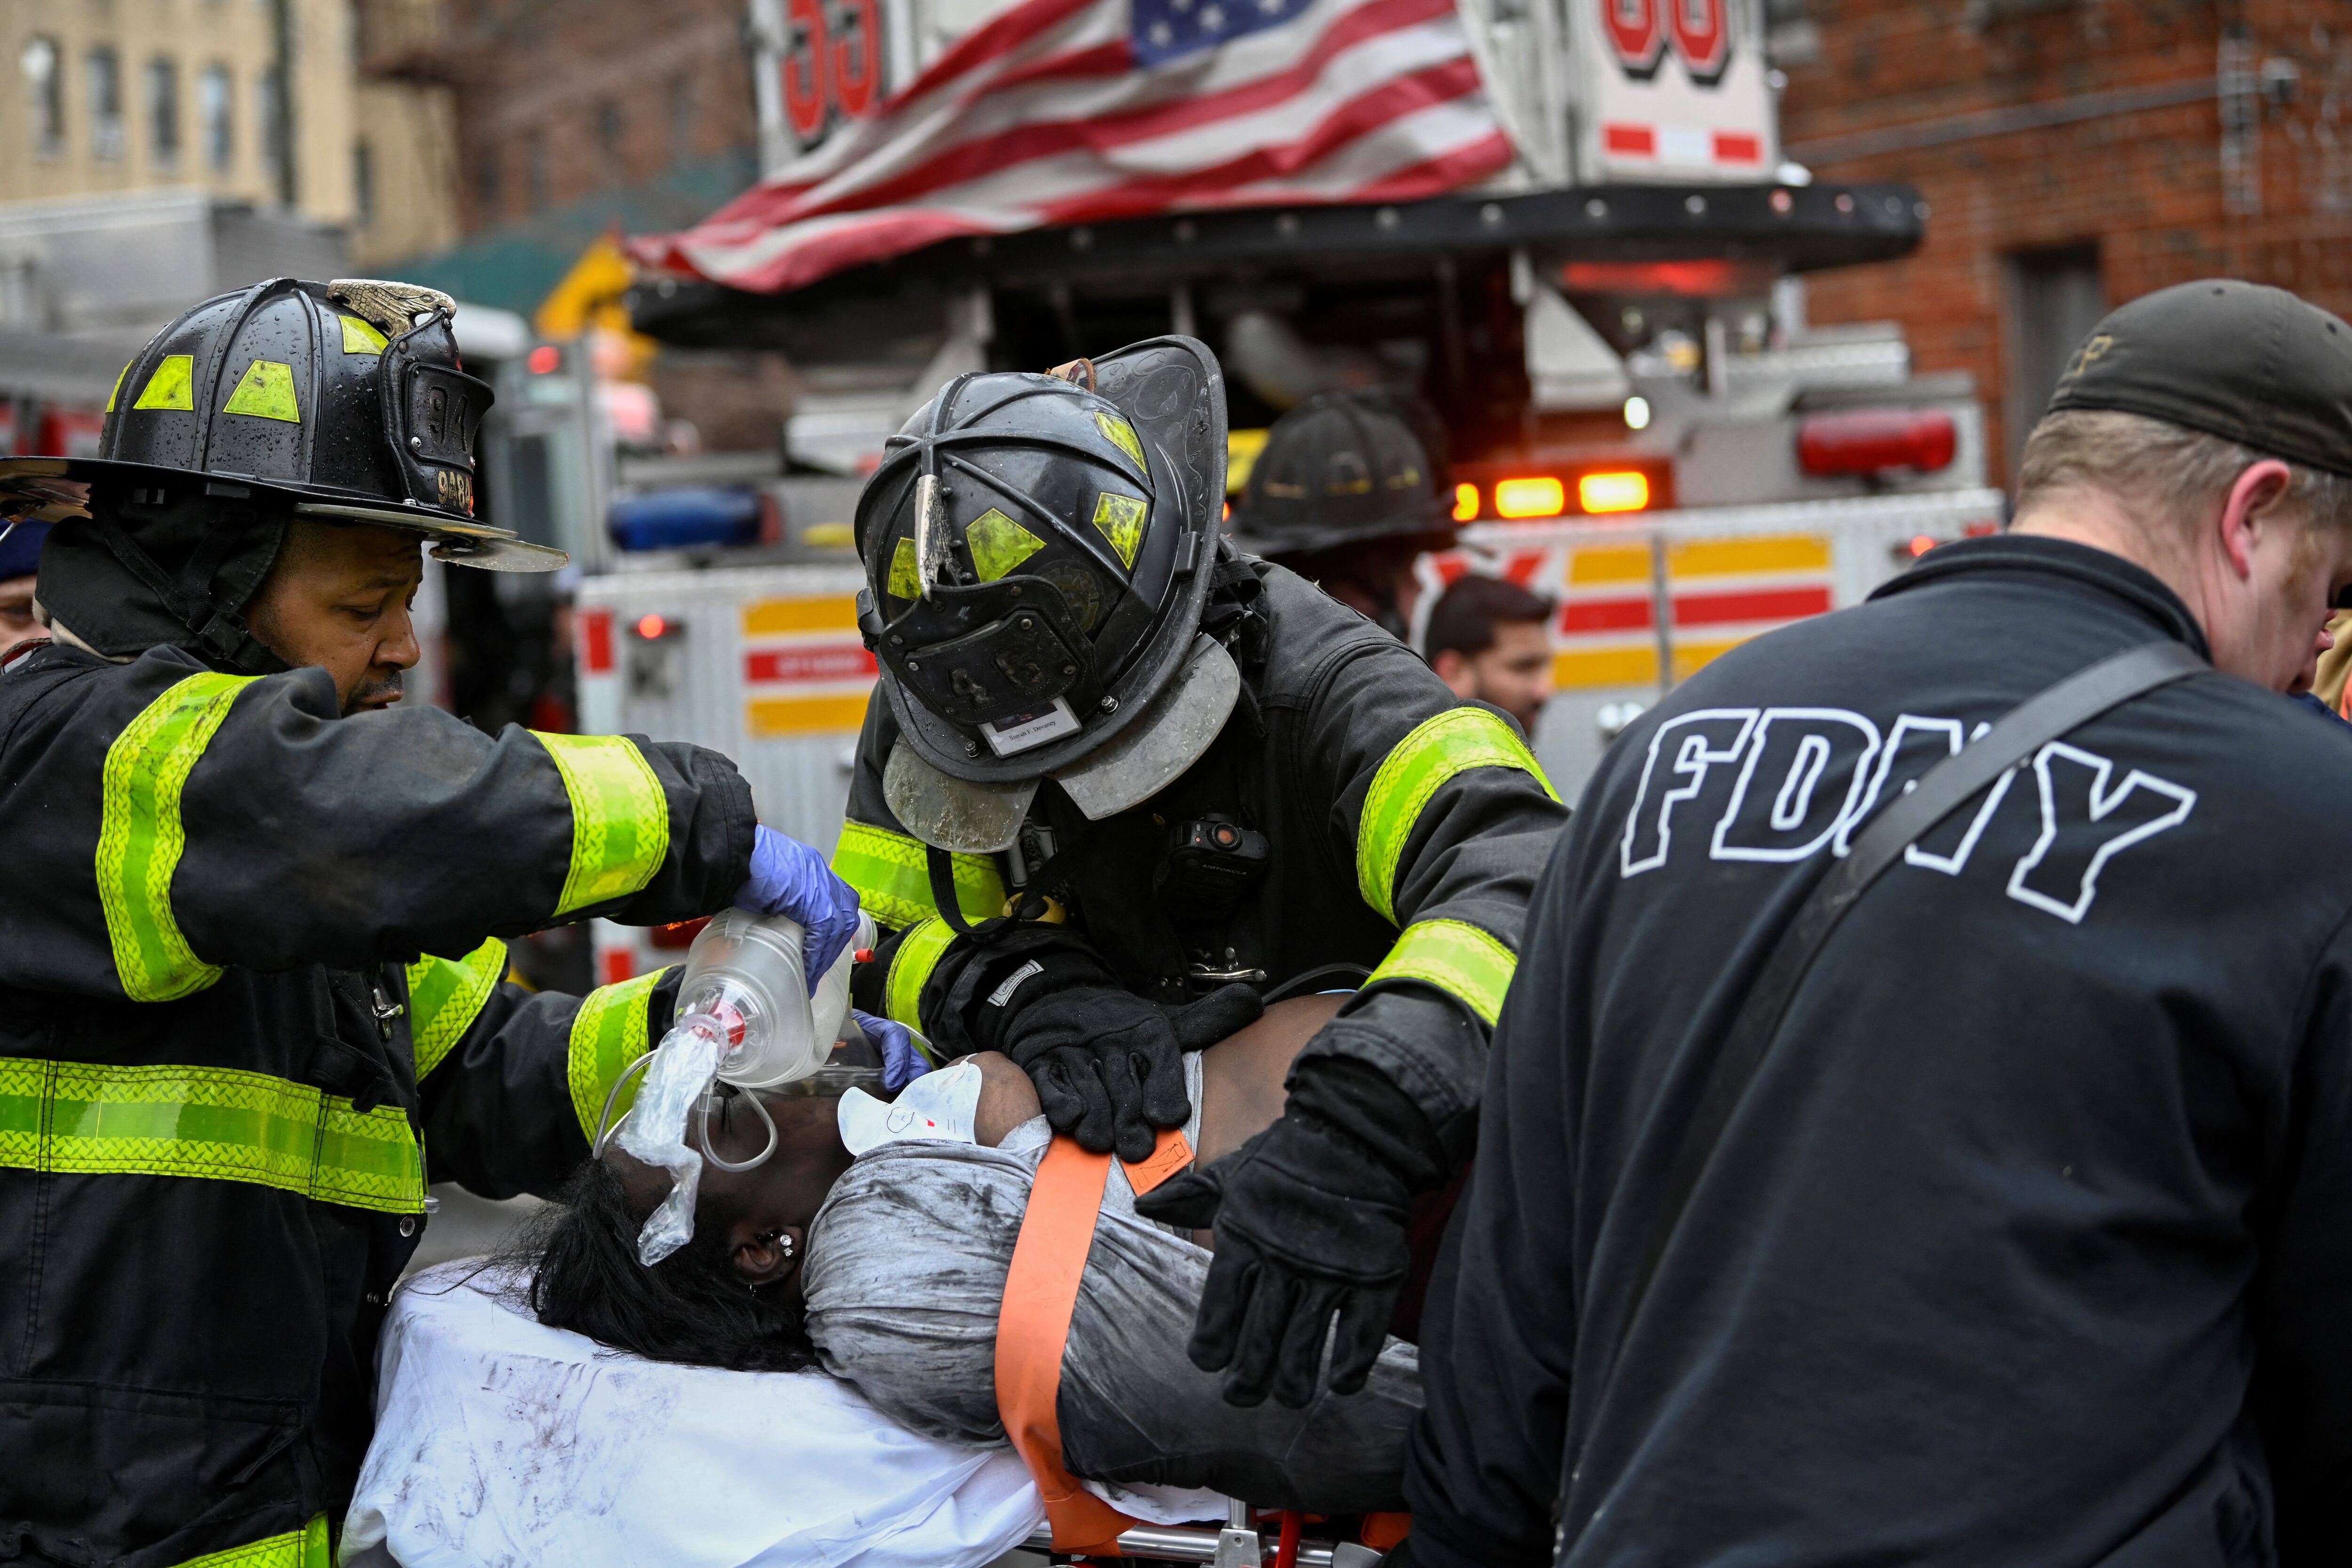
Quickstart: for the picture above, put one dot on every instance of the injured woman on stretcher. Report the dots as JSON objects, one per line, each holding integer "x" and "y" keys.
{"x": 887, "y": 1268}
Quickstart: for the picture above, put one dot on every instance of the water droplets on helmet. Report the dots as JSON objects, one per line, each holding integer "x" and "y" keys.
{"x": 1035, "y": 555}
{"x": 345, "y": 399}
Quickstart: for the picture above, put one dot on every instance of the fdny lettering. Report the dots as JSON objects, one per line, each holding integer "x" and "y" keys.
{"x": 1796, "y": 780}
{"x": 2060, "y": 873}
{"x": 1798, "y": 758}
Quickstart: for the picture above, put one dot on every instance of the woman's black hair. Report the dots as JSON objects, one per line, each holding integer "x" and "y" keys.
{"x": 581, "y": 1256}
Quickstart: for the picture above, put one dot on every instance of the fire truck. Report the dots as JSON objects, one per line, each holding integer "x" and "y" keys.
{"x": 1642, "y": 424}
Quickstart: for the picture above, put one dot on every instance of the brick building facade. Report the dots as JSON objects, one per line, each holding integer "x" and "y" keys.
{"x": 580, "y": 118}
{"x": 563, "y": 105}
{"x": 2076, "y": 153}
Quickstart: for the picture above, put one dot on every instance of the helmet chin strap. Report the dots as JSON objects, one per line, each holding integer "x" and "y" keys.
{"x": 221, "y": 634}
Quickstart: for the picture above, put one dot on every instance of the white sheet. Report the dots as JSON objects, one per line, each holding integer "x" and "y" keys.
{"x": 500, "y": 1441}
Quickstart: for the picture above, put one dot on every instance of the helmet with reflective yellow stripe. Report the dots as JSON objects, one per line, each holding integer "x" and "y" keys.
{"x": 343, "y": 402}
{"x": 1037, "y": 552}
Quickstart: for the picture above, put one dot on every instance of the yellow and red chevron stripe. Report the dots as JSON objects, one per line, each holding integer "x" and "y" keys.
{"x": 1606, "y": 634}
{"x": 806, "y": 671}
{"x": 1726, "y": 590}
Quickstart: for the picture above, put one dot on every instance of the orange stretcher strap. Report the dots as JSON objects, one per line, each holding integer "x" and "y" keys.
{"x": 1033, "y": 1326}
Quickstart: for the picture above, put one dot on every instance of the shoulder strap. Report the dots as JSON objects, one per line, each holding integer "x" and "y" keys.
{"x": 1033, "y": 1327}
{"x": 1946, "y": 786}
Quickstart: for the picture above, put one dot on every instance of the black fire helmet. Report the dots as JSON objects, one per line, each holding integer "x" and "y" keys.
{"x": 1348, "y": 468}
{"x": 343, "y": 402}
{"x": 1037, "y": 552}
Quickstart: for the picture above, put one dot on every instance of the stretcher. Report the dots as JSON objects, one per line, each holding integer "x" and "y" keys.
{"x": 500, "y": 1440}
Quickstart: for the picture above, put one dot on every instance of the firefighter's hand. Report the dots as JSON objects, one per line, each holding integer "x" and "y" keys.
{"x": 1310, "y": 1226}
{"x": 790, "y": 879}
{"x": 903, "y": 1061}
{"x": 1109, "y": 1066}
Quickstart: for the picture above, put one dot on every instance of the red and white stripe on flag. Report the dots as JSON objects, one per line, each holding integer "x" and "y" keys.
{"x": 1044, "y": 117}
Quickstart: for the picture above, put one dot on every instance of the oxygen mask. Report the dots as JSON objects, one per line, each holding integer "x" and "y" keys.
{"x": 746, "y": 1019}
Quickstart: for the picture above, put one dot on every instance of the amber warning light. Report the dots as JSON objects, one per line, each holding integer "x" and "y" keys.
{"x": 1613, "y": 492}
{"x": 1539, "y": 496}
{"x": 1545, "y": 496}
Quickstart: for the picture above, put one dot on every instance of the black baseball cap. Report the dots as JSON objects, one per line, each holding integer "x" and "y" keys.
{"x": 2240, "y": 360}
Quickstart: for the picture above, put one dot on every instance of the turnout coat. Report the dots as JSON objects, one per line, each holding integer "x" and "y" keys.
{"x": 251, "y": 1003}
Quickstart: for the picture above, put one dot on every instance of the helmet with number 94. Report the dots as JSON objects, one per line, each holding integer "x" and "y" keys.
{"x": 341, "y": 402}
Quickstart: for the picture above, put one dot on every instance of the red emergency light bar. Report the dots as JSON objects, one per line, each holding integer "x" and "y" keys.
{"x": 1537, "y": 491}
{"x": 1873, "y": 440}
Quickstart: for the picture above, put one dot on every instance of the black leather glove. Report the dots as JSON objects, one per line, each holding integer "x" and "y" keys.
{"x": 1310, "y": 1226}
{"x": 1109, "y": 1066}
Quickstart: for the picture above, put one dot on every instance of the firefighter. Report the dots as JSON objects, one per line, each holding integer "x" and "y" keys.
{"x": 1119, "y": 782}
{"x": 250, "y": 966}
{"x": 1347, "y": 492}
{"x": 18, "y": 553}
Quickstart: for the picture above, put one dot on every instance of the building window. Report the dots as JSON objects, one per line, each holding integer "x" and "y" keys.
{"x": 681, "y": 119}
{"x": 608, "y": 131}
{"x": 363, "y": 181}
{"x": 490, "y": 184}
{"x": 215, "y": 101}
{"x": 534, "y": 171}
{"x": 164, "y": 110}
{"x": 273, "y": 126}
{"x": 105, "y": 102}
{"x": 45, "y": 94}
{"x": 2056, "y": 297}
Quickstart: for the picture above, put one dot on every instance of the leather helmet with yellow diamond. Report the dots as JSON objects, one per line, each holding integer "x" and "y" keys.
{"x": 341, "y": 402}
{"x": 1038, "y": 551}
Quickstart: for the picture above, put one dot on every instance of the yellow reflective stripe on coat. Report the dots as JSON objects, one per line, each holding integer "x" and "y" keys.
{"x": 911, "y": 965}
{"x": 892, "y": 874}
{"x": 308, "y": 1547}
{"x": 1458, "y": 958}
{"x": 446, "y": 996}
{"x": 1438, "y": 750}
{"x": 607, "y": 1034}
{"x": 620, "y": 818}
{"x": 140, "y": 837}
{"x": 221, "y": 1123}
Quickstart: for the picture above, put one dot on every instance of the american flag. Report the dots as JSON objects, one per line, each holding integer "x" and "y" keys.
{"x": 1063, "y": 112}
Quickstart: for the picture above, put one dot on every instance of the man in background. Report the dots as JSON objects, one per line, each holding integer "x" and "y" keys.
{"x": 20, "y": 554}
{"x": 1487, "y": 642}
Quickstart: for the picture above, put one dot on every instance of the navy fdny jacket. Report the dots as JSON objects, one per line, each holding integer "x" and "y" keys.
{"x": 2031, "y": 1240}
{"x": 251, "y": 1003}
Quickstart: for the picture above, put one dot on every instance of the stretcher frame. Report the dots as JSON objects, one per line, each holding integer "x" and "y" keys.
{"x": 1240, "y": 1544}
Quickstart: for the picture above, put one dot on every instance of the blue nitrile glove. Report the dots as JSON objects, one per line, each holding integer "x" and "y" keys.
{"x": 790, "y": 879}
{"x": 903, "y": 1061}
